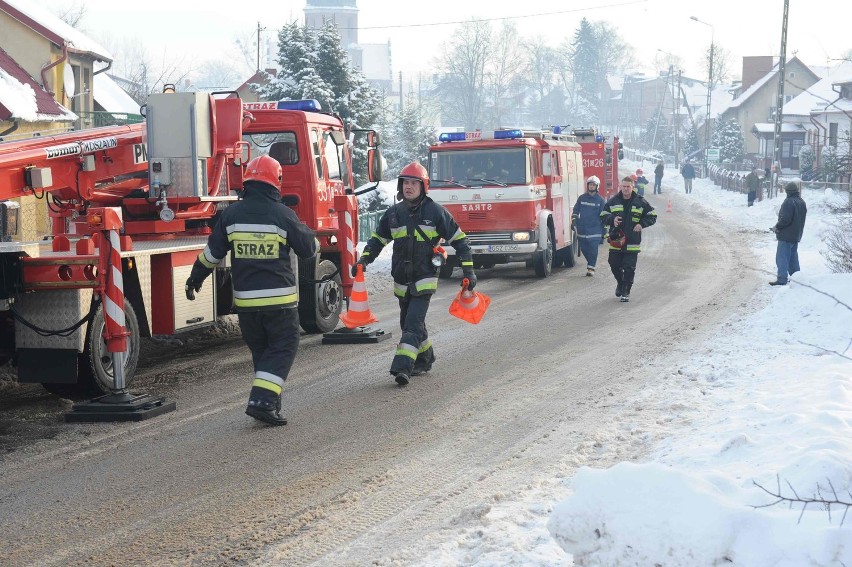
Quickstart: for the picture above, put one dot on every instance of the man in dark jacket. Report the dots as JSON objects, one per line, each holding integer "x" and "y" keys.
{"x": 752, "y": 183}
{"x": 260, "y": 231}
{"x": 688, "y": 172}
{"x": 658, "y": 178}
{"x": 788, "y": 230}
{"x": 627, "y": 213}
{"x": 415, "y": 225}
{"x": 586, "y": 216}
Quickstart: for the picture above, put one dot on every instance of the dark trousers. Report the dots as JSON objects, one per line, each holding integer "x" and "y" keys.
{"x": 786, "y": 259}
{"x": 623, "y": 266}
{"x": 751, "y": 196}
{"x": 273, "y": 339}
{"x": 658, "y": 185}
{"x": 414, "y": 341}
{"x": 687, "y": 184}
{"x": 589, "y": 247}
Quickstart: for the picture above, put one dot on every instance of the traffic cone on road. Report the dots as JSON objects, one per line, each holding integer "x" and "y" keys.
{"x": 359, "y": 313}
{"x": 469, "y": 305}
{"x": 669, "y": 206}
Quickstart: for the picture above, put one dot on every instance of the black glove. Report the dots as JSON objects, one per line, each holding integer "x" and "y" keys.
{"x": 773, "y": 229}
{"x": 191, "y": 287}
{"x": 471, "y": 279}
{"x": 363, "y": 265}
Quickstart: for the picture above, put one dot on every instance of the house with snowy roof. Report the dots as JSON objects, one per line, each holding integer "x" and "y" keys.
{"x": 754, "y": 107}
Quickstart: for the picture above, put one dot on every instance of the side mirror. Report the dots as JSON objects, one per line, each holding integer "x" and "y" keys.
{"x": 374, "y": 140}
{"x": 290, "y": 199}
{"x": 374, "y": 164}
{"x": 338, "y": 137}
{"x": 620, "y": 153}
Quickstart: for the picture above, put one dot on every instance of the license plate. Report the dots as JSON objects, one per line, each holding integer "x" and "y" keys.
{"x": 503, "y": 248}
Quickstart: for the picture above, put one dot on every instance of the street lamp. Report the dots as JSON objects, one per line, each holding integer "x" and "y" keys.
{"x": 709, "y": 91}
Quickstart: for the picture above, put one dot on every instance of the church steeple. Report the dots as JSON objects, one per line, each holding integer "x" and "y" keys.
{"x": 344, "y": 13}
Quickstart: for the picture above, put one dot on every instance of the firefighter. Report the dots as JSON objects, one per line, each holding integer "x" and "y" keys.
{"x": 416, "y": 225}
{"x": 260, "y": 231}
{"x": 627, "y": 213}
{"x": 587, "y": 218}
{"x": 641, "y": 182}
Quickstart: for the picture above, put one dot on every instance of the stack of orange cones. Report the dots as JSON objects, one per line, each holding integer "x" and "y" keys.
{"x": 359, "y": 313}
{"x": 469, "y": 305}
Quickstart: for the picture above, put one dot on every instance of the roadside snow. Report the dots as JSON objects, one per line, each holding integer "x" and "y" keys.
{"x": 766, "y": 401}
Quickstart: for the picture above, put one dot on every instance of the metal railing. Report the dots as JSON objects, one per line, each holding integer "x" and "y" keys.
{"x": 100, "y": 118}
{"x": 367, "y": 223}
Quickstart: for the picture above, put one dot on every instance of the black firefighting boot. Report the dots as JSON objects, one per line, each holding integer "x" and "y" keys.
{"x": 264, "y": 405}
{"x": 619, "y": 289}
{"x": 424, "y": 363}
{"x": 625, "y": 293}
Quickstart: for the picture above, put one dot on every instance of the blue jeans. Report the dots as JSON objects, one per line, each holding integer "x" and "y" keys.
{"x": 786, "y": 259}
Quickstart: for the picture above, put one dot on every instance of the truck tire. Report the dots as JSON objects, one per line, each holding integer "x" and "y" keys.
{"x": 570, "y": 252}
{"x": 543, "y": 261}
{"x": 95, "y": 367}
{"x": 445, "y": 272}
{"x": 320, "y": 304}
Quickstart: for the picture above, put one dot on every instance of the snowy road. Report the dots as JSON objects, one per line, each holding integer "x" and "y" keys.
{"x": 367, "y": 472}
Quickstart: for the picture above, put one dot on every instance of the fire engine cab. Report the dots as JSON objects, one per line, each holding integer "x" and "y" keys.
{"x": 131, "y": 207}
{"x": 601, "y": 153}
{"x": 511, "y": 192}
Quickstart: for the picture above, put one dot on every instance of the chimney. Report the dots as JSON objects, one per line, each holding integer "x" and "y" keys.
{"x": 755, "y": 67}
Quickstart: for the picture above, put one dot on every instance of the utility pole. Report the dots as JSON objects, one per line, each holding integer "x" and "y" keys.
{"x": 677, "y": 124}
{"x": 259, "y": 29}
{"x": 779, "y": 104}
{"x": 709, "y": 89}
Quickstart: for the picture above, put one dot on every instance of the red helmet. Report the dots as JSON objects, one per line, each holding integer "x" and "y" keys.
{"x": 634, "y": 177}
{"x": 414, "y": 171}
{"x": 638, "y": 172}
{"x": 264, "y": 169}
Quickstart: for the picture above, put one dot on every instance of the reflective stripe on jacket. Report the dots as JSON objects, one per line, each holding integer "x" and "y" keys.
{"x": 633, "y": 211}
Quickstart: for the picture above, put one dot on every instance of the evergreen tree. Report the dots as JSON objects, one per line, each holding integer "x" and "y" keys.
{"x": 584, "y": 62}
{"x": 728, "y": 137}
{"x": 407, "y": 139}
{"x": 830, "y": 163}
{"x": 690, "y": 142}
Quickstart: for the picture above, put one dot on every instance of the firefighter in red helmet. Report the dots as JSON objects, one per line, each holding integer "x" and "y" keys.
{"x": 259, "y": 231}
{"x": 416, "y": 225}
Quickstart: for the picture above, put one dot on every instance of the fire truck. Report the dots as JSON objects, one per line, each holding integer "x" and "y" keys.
{"x": 601, "y": 153}
{"x": 162, "y": 183}
{"x": 511, "y": 192}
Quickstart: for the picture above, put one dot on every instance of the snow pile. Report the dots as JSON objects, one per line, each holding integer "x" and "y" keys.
{"x": 20, "y": 100}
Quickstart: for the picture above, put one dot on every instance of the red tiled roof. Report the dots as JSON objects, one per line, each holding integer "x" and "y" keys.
{"x": 44, "y": 102}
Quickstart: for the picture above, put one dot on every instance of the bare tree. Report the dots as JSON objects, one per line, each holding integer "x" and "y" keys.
{"x": 541, "y": 71}
{"x": 217, "y": 74}
{"x": 462, "y": 72}
{"x": 504, "y": 69}
{"x": 72, "y": 14}
{"x": 721, "y": 64}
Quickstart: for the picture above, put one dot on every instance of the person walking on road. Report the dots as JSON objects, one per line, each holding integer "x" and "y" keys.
{"x": 688, "y": 172}
{"x": 752, "y": 183}
{"x": 586, "y": 216}
{"x": 259, "y": 231}
{"x": 627, "y": 213}
{"x": 640, "y": 181}
{"x": 788, "y": 230}
{"x": 416, "y": 225}
{"x": 658, "y": 178}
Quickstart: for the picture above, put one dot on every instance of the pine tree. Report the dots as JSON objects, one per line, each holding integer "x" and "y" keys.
{"x": 830, "y": 163}
{"x": 584, "y": 63}
{"x": 728, "y": 137}
{"x": 690, "y": 142}
{"x": 408, "y": 140}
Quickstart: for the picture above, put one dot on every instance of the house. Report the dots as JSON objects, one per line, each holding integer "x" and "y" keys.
{"x": 754, "y": 107}
{"x": 261, "y": 78}
{"x": 61, "y": 60}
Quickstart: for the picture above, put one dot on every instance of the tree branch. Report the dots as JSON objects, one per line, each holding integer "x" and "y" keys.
{"x": 804, "y": 501}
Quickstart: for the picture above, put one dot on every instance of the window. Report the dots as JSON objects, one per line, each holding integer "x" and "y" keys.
{"x": 332, "y": 157}
{"x": 316, "y": 151}
{"x": 832, "y": 134}
{"x": 787, "y": 98}
{"x": 785, "y": 149}
{"x": 281, "y": 146}
{"x": 474, "y": 167}
{"x": 797, "y": 145}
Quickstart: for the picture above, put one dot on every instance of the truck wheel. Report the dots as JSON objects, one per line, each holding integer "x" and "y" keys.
{"x": 320, "y": 304}
{"x": 96, "y": 368}
{"x": 445, "y": 272}
{"x": 570, "y": 252}
{"x": 543, "y": 261}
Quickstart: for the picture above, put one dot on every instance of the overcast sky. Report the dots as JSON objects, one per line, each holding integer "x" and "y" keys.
{"x": 200, "y": 31}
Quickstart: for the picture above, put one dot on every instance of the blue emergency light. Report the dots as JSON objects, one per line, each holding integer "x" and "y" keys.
{"x": 309, "y": 105}
{"x": 508, "y": 134}
{"x": 452, "y": 137}
{"x": 598, "y": 138}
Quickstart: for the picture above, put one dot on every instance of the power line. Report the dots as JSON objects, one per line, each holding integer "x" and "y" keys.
{"x": 497, "y": 18}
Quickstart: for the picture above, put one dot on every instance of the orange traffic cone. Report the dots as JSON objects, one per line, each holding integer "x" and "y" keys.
{"x": 469, "y": 305}
{"x": 359, "y": 313}
{"x": 669, "y": 206}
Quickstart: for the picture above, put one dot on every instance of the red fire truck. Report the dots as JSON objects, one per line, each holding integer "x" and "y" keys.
{"x": 601, "y": 153}
{"x": 160, "y": 185}
{"x": 512, "y": 193}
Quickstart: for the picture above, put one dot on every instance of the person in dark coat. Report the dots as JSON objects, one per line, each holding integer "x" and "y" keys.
{"x": 788, "y": 230}
{"x": 586, "y": 216}
{"x": 640, "y": 182}
{"x": 688, "y": 172}
{"x": 752, "y": 183}
{"x": 259, "y": 231}
{"x": 627, "y": 213}
{"x": 658, "y": 178}
{"x": 415, "y": 225}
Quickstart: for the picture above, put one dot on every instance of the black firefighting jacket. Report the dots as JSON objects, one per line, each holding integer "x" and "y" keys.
{"x": 259, "y": 231}
{"x": 633, "y": 211}
{"x": 411, "y": 263}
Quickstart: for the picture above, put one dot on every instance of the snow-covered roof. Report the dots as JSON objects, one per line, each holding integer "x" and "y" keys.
{"x": 786, "y": 127}
{"x": 753, "y": 88}
{"x": 111, "y": 97}
{"x": 820, "y": 93}
{"x": 22, "y": 98}
{"x": 39, "y": 19}
{"x": 615, "y": 83}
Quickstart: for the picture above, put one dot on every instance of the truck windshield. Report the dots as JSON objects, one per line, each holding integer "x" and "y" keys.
{"x": 497, "y": 166}
{"x": 278, "y": 145}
